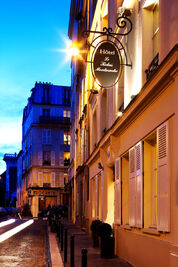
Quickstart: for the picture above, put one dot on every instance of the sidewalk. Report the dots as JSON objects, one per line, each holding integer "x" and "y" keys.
{"x": 81, "y": 240}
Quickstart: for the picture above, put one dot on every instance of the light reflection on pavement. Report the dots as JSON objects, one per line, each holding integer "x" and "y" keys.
{"x": 25, "y": 249}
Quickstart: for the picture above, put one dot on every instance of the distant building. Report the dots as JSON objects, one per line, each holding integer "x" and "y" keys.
{"x": 20, "y": 183}
{"x": 11, "y": 179}
{"x": 2, "y": 189}
{"x": 45, "y": 146}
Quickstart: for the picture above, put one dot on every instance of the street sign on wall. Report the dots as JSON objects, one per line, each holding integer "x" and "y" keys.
{"x": 106, "y": 64}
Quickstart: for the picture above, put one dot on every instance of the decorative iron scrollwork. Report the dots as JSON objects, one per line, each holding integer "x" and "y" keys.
{"x": 125, "y": 27}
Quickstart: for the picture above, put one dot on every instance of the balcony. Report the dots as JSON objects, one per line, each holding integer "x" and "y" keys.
{"x": 65, "y": 121}
{"x": 66, "y": 162}
{"x": 46, "y": 185}
{"x": 46, "y": 163}
{"x": 152, "y": 67}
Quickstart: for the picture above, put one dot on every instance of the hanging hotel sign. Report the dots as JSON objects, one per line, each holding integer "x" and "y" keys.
{"x": 106, "y": 64}
{"x": 109, "y": 55}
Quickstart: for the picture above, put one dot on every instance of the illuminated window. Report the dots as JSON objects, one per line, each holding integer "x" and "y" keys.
{"x": 67, "y": 113}
{"x": 66, "y": 158}
{"x": 150, "y": 180}
{"x": 46, "y": 179}
{"x": 66, "y": 138}
{"x": 155, "y": 29}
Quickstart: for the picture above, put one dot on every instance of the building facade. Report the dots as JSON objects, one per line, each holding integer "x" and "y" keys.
{"x": 11, "y": 179}
{"x": 45, "y": 146}
{"x": 125, "y": 134}
{"x": 2, "y": 189}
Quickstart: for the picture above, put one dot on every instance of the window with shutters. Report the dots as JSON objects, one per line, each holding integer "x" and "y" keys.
{"x": 117, "y": 186}
{"x": 150, "y": 181}
{"x": 150, "y": 36}
{"x": 157, "y": 180}
{"x": 46, "y": 158}
{"x": 135, "y": 186}
{"x": 46, "y": 136}
{"x": 46, "y": 179}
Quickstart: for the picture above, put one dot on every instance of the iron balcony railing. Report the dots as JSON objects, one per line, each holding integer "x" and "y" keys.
{"x": 55, "y": 120}
{"x": 152, "y": 67}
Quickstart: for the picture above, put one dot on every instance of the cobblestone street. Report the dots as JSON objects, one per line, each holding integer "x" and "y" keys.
{"x": 25, "y": 249}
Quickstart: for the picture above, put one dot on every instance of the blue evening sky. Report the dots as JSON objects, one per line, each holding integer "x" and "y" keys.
{"x": 32, "y": 33}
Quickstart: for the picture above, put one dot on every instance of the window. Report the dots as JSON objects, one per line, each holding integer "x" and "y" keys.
{"x": 66, "y": 158}
{"x": 47, "y": 158}
{"x": 46, "y": 179}
{"x": 45, "y": 94}
{"x": 46, "y": 112}
{"x": 66, "y": 99}
{"x": 150, "y": 181}
{"x": 67, "y": 113}
{"x": 146, "y": 163}
{"x": 46, "y": 136}
{"x": 150, "y": 36}
{"x": 66, "y": 138}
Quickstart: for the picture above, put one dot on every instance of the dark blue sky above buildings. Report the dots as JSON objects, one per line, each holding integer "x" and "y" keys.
{"x": 32, "y": 37}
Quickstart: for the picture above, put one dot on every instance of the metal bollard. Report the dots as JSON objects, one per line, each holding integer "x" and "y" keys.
{"x": 84, "y": 257}
{"x": 72, "y": 251}
{"x": 65, "y": 245}
{"x": 62, "y": 237}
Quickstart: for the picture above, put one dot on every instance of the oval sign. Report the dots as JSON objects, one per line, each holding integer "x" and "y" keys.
{"x": 106, "y": 64}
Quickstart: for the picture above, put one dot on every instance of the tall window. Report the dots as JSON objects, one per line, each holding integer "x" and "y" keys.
{"x": 46, "y": 112}
{"x": 46, "y": 158}
{"x": 46, "y": 179}
{"x": 150, "y": 180}
{"x": 155, "y": 28}
{"x": 46, "y": 95}
{"x": 46, "y": 136}
{"x": 66, "y": 138}
{"x": 67, "y": 113}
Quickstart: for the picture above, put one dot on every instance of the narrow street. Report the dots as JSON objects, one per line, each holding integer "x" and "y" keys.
{"x": 26, "y": 248}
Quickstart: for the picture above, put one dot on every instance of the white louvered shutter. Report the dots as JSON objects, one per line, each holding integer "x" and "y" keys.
{"x": 40, "y": 179}
{"x": 52, "y": 158}
{"x": 138, "y": 185}
{"x": 61, "y": 159}
{"x": 61, "y": 179}
{"x": 132, "y": 186}
{"x": 48, "y": 141}
{"x": 44, "y": 136}
{"x": 117, "y": 202}
{"x": 163, "y": 179}
{"x": 40, "y": 158}
{"x": 96, "y": 198}
{"x": 53, "y": 180}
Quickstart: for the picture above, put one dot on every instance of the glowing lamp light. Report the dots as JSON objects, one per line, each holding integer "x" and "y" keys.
{"x": 73, "y": 50}
{"x": 119, "y": 114}
{"x": 128, "y": 4}
{"x": 15, "y": 230}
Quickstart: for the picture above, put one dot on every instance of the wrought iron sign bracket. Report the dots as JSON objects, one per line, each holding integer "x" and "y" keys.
{"x": 107, "y": 39}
